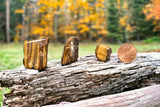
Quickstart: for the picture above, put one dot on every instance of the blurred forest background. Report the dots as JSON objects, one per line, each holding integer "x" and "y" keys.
{"x": 115, "y": 21}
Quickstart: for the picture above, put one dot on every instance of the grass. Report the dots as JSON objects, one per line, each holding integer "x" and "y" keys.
{"x": 2, "y": 91}
{"x": 11, "y": 55}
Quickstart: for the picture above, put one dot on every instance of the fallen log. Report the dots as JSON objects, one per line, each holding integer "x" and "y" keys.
{"x": 84, "y": 79}
{"x": 144, "y": 97}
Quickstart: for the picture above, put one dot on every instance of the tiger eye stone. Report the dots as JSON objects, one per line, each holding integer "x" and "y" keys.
{"x": 70, "y": 52}
{"x": 35, "y": 53}
{"x": 103, "y": 52}
{"x": 127, "y": 53}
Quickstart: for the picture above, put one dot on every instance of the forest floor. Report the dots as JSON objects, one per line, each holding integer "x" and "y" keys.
{"x": 11, "y": 55}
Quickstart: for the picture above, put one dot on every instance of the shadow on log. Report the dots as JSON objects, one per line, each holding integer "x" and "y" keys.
{"x": 84, "y": 79}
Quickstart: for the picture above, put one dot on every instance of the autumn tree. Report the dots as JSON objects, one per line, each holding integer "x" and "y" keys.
{"x": 141, "y": 27}
{"x": 94, "y": 20}
{"x": 125, "y": 19}
{"x": 14, "y": 18}
{"x": 8, "y": 20}
{"x": 152, "y": 12}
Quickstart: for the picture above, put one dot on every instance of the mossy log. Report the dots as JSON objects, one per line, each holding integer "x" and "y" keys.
{"x": 84, "y": 79}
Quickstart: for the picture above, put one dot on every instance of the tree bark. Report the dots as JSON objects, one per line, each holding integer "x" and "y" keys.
{"x": 8, "y": 21}
{"x": 144, "y": 97}
{"x": 86, "y": 78}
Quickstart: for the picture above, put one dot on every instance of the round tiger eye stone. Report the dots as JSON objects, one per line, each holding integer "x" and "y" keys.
{"x": 127, "y": 53}
{"x": 70, "y": 52}
{"x": 103, "y": 52}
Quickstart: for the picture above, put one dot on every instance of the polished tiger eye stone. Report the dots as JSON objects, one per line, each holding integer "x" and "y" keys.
{"x": 127, "y": 53}
{"x": 70, "y": 52}
{"x": 103, "y": 52}
{"x": 35, "y": 53}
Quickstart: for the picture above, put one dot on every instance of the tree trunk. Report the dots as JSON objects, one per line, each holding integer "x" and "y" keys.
{"x": 56, "y": 26}
{"x": 86, "y": 78}
{"x": 8, "y": 21}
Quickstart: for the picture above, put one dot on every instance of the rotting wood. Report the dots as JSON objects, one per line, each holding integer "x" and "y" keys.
{"x": 84, "y": 79}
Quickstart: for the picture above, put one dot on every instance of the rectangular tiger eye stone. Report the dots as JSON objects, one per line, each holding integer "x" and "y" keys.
{"x": 35, "y": 53}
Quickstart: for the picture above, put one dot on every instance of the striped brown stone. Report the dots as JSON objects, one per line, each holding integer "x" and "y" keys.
{"x": 103, "y": 52}
{"x": 70, "y": 53}
{"x": 35, "y": 53}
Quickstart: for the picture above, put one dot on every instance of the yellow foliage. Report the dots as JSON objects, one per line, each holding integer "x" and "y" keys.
{"x": 73, "y": 32}
{"x": 42, "y": 31}
{"x": 157, "y": 18}
{"x": 43, "y": 22}
{"x": 95, "y": 34}
{"x": 19, "y": 11}
{"x": 92, "y": 17}
{"x": 69, "y": 27}
{"x": 48, "y": 16}
{"x": 85, "y": 20}
{"x": 81, "y": 26}
{"x": 118, "y": 2}
{"x": 152, "y": 10}
{"x": 123, "y": 20}
{"x": 38, "y": 30}
{"x": 102, "y": 32}
{"x": 154, "y": 22}
{"x": 99, "y": 40}
{"x": 156, "y": 28}
{"x": 19, "y": 26}
{"x": 84, "y": 28}
{"x": 99, "y": 5}
{"x": 129, "y": 28}
{"x": 72, "y": 14}
{"x": 125, "y": 6}
{"x": 96, "y": 26}
{"x": 42, "y": 9}
{"x": 17, "y": 38}
{"x": 101, "y": 1}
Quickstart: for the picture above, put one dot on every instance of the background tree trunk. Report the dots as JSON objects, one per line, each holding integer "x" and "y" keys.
{"x": 8, "y": 20}
{"x": 84, "y": 79}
